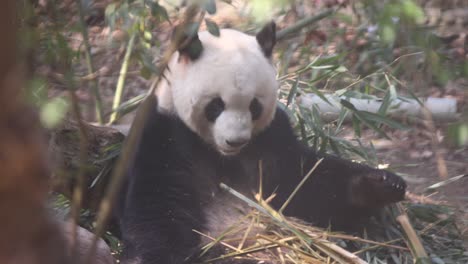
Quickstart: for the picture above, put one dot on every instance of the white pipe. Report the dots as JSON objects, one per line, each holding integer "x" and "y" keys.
{"x": 442, "y": 109}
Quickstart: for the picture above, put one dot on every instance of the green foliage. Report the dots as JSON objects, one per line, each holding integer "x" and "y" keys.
{"x": 327, "y": 136}
{"x": 139, "y": 18}
{"x": 457, "y": 134}
{"x": 399, "y": 24}
{"x": 263, "y": 10}
{"x": 55, "y": 51}
{"x": 53, "y": 112}
{"x": 62, "y": 209}
{"x": 393, "y": 14}
{"x": 212, "y": 27}
{"x": 209, "y": 6}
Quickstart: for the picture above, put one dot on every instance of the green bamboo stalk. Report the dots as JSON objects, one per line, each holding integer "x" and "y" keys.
{"x": 121, "y": 81}
{"x": 299, "y": 186}
{"x": 413, "y": 240}
{"x": 89, "y": 65}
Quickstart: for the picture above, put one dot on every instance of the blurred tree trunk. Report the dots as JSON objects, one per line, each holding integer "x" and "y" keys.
{"x": 28, "y": 235}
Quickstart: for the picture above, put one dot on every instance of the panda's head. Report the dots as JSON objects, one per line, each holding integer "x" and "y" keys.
{"x": 227, "y": 93}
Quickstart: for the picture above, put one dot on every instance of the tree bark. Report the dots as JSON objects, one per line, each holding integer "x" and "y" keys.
{"x": 28, "y": 234}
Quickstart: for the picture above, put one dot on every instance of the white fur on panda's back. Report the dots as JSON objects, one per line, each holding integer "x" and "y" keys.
{"x": 231, "y": 65}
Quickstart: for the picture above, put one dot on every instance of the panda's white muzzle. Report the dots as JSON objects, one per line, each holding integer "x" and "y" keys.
{"x": 232, "y": 131}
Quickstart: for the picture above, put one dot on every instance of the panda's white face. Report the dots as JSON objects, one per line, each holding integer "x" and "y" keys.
{"x": 227, "y": 95}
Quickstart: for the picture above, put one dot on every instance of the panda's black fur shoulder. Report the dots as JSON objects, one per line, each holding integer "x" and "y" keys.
{"x": 173, "y": 187}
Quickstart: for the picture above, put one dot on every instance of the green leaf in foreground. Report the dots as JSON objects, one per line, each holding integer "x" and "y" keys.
{"x": 53, "y": 112}
{"x": 210, "y": 6}
{"x": 212, "y": 27}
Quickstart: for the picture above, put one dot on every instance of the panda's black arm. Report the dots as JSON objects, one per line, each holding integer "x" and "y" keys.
{"x": 160, "y": 208}
{"x": 339, "y": 191}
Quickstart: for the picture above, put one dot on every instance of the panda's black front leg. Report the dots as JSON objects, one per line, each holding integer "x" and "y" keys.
{"x": 158, "y": 222}
{"x": 339, "y": 193}
{"x": 374, "y": 188}
{"x": 159, "y": 207}
{"x": 362, "y": 185}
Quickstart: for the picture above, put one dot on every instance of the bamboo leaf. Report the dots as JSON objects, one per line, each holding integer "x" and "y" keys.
{"x": 212, "y": 27}
{"x": 158, "y": 11}
{"x": 293, "y": 91}
{"x": 210, "y": 6}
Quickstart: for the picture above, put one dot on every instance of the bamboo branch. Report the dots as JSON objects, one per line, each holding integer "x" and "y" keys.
{"x": 121, "y": 82}
{"x": 414, "y": 241}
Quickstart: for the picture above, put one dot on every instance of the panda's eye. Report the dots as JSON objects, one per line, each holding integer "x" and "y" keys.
{"x": 214, "y": 108}
{"x": 255, "y": 109}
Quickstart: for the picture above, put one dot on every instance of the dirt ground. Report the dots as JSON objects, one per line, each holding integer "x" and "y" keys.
{"x": 411, "y": 154}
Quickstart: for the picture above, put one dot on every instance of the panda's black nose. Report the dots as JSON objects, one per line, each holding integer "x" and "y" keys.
{"x": 237, "y": 143}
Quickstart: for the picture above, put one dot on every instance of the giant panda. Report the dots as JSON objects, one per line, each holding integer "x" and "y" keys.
{"x": 214, "y": 119}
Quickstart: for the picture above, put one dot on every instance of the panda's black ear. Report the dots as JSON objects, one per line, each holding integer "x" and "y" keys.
{"x": 266, "y": 38}
{"x": 191, "y": 46}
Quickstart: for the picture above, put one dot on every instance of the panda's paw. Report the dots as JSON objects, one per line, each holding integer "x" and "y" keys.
{"x": 392, "y": 186}
{"x": 377, "y": 188}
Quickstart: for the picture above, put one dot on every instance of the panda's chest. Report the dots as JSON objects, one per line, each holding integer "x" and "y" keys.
{"x": 221, "y": 209}
{"x": 209, "y": 173}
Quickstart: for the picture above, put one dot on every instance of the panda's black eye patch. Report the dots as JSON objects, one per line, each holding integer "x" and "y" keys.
{"x": 255, "y": 109}
{"x": 214, "y": 108}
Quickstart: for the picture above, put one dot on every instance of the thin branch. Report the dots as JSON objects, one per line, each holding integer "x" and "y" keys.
{"x": 304, "y": 23}
{"x": 89, "y": 65}
{"x": 77, "y": 197}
